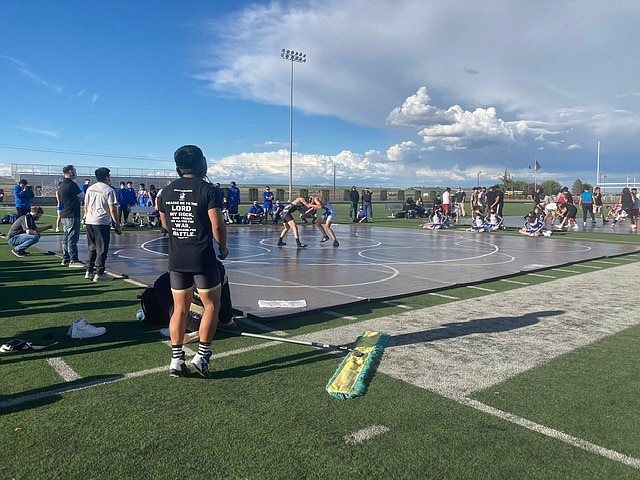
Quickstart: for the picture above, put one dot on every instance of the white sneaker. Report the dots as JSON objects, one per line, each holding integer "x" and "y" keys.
{"x": 201, "y": 364}
{"x": 83, "y": 329}
{"x": 102, "y": 278}
{"x": 575, "y": 227}
{"x": 178, "y": 367}
{"x": 88, "y": 275}
{"x": 546, "y": 233}
{"x": 76, "y": 264}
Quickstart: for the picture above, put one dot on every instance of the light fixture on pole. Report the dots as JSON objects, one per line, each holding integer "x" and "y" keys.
{"x": 478, "y": 179}
{"x": 298, "y": 57}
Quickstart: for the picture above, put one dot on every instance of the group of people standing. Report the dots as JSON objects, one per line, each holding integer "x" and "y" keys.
{"x": 591, "y": 203}
{"x": 361, "y": 204}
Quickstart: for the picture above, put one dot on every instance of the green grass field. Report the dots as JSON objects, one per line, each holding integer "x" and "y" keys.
{"x": 264, "y": 414}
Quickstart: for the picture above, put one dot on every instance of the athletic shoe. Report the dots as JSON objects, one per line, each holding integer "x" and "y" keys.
{"x": 281, "y": 243}
{"x": 19, "y": 253}
{"x": 178, "y": 367}
{"x": 88, "y": 275}
{"x": 82, "y": 329}
{"x": 57, "y": 230}
{"x": 201, "y": 364}
{"x": 584, "y": 224}
{"x": 102, "y": 278}
{"x": 594, "y": 222}
{"x": 633, "y": 227}
{"x": 335, "y": 243}
{"x": 76, "y": 264}
{"x": 300, "y": 245}
{"x": 324, "y": 239}
{"x": 546, "y": 233}
{"x": 605, "y": 221}
{"x": 575, "y": 227}
{"x": 65, "y": 262}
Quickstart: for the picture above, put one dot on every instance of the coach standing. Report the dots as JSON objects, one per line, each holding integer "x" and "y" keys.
{"x": 190, "y": 211}
{"x": 100, "y": 209}
{"x": 354, "y": 199}
{"x": 70, "y": 197}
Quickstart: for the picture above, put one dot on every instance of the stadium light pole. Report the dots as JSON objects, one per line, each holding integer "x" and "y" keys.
{"x": 478, "y": 179}
{"x": 294, "y": 57}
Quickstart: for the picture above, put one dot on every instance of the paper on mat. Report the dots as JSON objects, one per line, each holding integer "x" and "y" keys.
{"x": 282, "y": 303}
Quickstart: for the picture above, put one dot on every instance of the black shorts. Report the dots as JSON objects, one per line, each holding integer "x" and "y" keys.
{"x": 204, "y": 281}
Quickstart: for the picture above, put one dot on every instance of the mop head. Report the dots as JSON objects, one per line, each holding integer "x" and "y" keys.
{"x": 352, "y": 376}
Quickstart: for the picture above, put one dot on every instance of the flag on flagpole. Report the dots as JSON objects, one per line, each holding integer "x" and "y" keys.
{"x": 537, "y": 166}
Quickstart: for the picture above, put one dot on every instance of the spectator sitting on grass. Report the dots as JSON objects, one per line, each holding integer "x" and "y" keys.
{"x": 362, "y": 215}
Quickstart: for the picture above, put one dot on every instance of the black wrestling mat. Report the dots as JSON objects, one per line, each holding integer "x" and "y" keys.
{"x": 371, "y": 263}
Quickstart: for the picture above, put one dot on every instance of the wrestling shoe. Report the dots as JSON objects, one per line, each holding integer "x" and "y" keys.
{"x": 335, "y": 243}
{"x": 281, "y": 243}
{"x": 300, "y": 245}
{"x": 324, "y": 239}
{"x": 201, "y": 364}
{"x": 178, "y": 367}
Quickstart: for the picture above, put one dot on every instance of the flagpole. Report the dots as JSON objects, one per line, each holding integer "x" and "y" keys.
{"x": 535, "y": 174}
{"x": 598, "y": 166}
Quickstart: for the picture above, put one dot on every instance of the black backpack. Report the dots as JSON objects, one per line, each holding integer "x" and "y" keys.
{"x": 157, "y": 302}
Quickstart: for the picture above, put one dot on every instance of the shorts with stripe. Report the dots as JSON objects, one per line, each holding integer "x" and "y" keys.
{"x": 203, "y": 281}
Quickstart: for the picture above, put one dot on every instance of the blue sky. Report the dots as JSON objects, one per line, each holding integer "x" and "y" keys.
{"x": 394, "y": 93}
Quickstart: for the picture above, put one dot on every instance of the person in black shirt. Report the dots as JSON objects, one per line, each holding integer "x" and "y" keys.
{"x": 190, "y": 211}
{"x": 24, "y": 232}
{"x": 354, "y": 198}
{"x": 366, "y": 202}
{"x": 498, "y": 203}
{"x": 70, "y": 197}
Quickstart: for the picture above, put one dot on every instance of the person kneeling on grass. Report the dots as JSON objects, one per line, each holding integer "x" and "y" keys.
{"x": 255, "y": 213}
{"x": 24, "y": 232}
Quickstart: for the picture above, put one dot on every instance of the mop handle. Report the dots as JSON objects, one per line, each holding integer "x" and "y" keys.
{"x": 286, "y": 340}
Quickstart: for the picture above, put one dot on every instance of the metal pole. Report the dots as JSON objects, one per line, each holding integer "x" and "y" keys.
{"x": 291, "y": 139}
{"x": 598, "y": 166}
{"x": 334, "y": 182}
{"x": 299, "y": 57}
